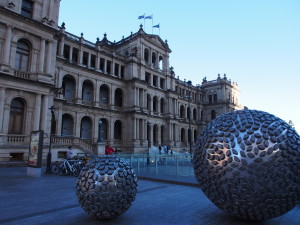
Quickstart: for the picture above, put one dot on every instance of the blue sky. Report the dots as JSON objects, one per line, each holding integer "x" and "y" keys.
{"x": 255, "y": 42}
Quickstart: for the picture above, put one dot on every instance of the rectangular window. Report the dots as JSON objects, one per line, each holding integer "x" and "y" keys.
{"x": 93, "y": 61}
{"x": 61, "y": 154}
{"x": 108, "y": 67}
{"x": 155, "y": 81}
{"x": 67, "y": 51}
{"x": 116, "y": 69}
{"x": 27, "y": 8}
{"x": 147, "y": 77}
{"x": 210, "y": 98}
{"x": 215, "y": 97}
{"x": 85, "y": 57}
{"x": 162, "y": 83}
{"x": 102, "y": 62}
{"x": 122, "y": 71}
{"x": 75, "y": 55}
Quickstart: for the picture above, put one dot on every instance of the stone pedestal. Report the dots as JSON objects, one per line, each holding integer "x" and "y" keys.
{"x": 34, "y": 172}
{"x": 100, "y": 148}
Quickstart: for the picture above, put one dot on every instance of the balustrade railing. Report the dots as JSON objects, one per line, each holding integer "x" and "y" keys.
{"x": 17, "y": 139}
{"x": 22, "y": 74}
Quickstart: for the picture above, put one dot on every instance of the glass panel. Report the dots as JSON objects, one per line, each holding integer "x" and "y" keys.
{"x": 24, "y": 63}
{"x": 17, "y": 62}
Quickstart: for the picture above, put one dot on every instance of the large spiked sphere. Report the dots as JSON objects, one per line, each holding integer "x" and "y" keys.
{"x": 248, "y": 164}
{"x": 106, "y": 187}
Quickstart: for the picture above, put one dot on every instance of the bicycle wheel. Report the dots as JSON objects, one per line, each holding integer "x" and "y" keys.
{"x": 55, "y": 169}
{"x": 64, "y": 170}
{"x": 76, "y": 171}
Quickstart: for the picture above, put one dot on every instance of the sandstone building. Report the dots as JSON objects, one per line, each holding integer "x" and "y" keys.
{"x": 127, "y": 85}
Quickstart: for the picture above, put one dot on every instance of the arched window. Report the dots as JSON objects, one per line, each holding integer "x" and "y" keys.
{"x": 86, "y": 128}
{"x": 104, "y": 129}
{"x": 22, "y": 56}
{"x": 195, "y": 135}
{"x": 118, "y": 130}
{"x": 119, "y": 97}
{"x": 189, "y": 135}
{"x": 87, "y": 91}
{"x": 182, "y": 135}
{"x": 162, "y": 105}
{"x": 67, "y": 125}
{"x": 68, "y": 86}
{"x": 146, "y": 55}
{"x": 155, "y": 103}
{"x": 16, "y": 116}
{"x": 188, "y": 112}
{"x": 104, "y": 95}
{"x": 181, "y": 112}
{"x": 160, "y": 61}
{"x": 154, "y": 59}
{"x": 213, "y": 114}
{"x": 194, "y": 114}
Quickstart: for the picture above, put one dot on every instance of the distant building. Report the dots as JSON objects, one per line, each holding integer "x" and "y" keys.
{"x": 127, "y": 85}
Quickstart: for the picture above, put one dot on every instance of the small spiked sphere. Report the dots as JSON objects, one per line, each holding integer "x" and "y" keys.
{"x": 106, "y": 187}
{"x": 247, "y": 163}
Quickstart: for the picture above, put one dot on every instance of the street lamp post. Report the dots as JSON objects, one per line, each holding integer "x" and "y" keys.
{"x": 49, "y": 156}
{"x": 189, "y": 99}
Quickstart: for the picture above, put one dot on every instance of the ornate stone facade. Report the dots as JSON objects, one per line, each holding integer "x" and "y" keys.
{"x": 128, "y": 85}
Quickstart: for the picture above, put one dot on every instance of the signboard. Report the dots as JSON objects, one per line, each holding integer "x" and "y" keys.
{"x": 36, "y": 149}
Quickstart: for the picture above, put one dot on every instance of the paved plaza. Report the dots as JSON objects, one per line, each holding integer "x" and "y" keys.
{"x": 51, "y": 199}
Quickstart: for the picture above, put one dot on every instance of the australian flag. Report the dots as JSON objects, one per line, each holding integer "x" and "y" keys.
{"x": 141, "y": 17}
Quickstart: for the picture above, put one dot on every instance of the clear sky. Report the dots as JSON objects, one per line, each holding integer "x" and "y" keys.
{"x": 256, "y": 43}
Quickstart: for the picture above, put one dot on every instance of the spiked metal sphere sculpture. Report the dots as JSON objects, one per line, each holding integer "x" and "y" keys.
{"x": 106, "y": 187}
{"x": 248, "y": 164}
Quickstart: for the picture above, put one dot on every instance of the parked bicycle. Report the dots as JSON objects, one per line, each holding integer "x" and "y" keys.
{"x": 70, "y": 167}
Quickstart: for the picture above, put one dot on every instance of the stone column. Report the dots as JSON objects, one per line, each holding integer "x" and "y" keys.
{"x": 134, "y": 128}
{"x": 50, "y": 16}
{"x": 80, "y": 56}
{"x": 42, "y": 56}
{"x": 45, "y": 111}
{"x": 37, "y": 112}
{"x": 97, "y": 66}
{"x": 138, "y": 97}
{"x": 79, "y": 90}
{"x": 6, "y": 47}
{"x": 113, "y": 67}
{"x": 151, "y": 103}
{"x": 77, "y": 125}
{"x": 151, "y": 134}
{"x": 59, "y": 121}
{"x": 71, "y": 53}
{"x": 2, "y": 98}
{"x": 61, "y": 47}
{"x": 89, "y": 60}
{"x": 159, "y": 134}
{"x": 138, "y": 129}
{"x": 49, "y": 57}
